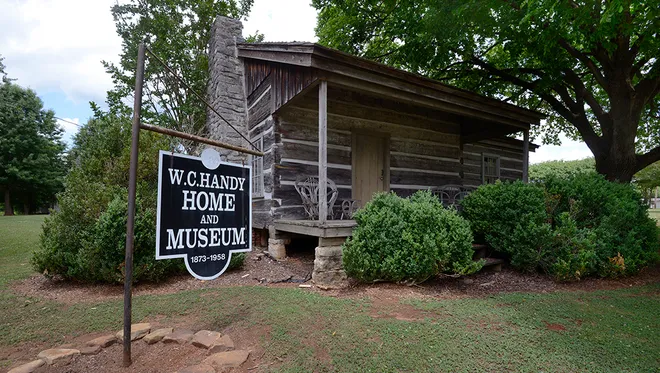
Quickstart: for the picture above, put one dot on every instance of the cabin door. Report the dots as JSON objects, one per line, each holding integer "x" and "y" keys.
{"x": 370, "y": 158}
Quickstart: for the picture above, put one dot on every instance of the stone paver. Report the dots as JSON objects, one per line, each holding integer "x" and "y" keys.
{"x": 137, "y": 331}
{"x": 205, "y": 338}
{"x": 90, "y": 350}
{"x": 27, "y": 368}
{"x": 201, "y": 368}
{"x": 157, "y": 335}
{"x": 104, "y": 341}
{"x": 54, "y": 355}
{"x": 221, "y": 345}
{"x": 180, "y": 336}
{"x": 228, "y": 359}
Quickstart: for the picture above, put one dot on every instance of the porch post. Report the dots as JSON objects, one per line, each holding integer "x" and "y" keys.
{"x": 323, "y": 151}
{"x": 525, "y": 155}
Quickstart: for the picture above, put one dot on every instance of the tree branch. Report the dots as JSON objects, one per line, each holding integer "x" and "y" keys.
{"x": 644, "y": 160}
{"x": 579, "y": 121}
{"x": 586, "y": 61}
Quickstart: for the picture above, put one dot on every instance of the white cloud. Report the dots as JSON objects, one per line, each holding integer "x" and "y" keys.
{"x": 568, "y": 150}
{"x": 70, "y": 129}
{"x": 282, "y": 20}
{"x": 57, "y": 46}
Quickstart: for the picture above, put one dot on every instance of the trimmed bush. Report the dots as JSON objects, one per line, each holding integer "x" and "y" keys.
{"x": 408, "y": 240}
{"x": 617, "y": 216}
{"x": 84, "y": 239}
{"x": 570, "y": 227}
{"x": 510, "y": 217}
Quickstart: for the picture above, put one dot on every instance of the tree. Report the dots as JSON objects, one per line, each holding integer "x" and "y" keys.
{"x": 31, "y": 150}
{"x": 562, "y": 169}
{"x": 177, "y": 31}
{"x": 593, "y": 66}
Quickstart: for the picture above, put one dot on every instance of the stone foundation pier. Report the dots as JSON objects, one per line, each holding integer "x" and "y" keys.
{"x": 328, "y": 266}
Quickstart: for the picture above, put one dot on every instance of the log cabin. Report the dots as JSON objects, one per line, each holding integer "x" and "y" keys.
{"x": 351, "y": 123}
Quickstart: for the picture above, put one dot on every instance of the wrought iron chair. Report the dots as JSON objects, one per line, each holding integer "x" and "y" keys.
{"x": 452, "y": 195}
{"x": 308, "y": 188}
{"x": 348, "y": 208}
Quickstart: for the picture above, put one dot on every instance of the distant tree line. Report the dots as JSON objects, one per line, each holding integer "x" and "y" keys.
{"x": 32, "y": 159}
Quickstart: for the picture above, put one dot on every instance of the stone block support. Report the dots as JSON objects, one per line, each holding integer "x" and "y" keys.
{"x": 328, "y": 266}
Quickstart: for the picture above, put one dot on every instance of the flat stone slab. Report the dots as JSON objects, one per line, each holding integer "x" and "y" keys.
{"x": 54, "y": 355}
{"x": 201, "y": 368}
{"x": 27, "y": 368}
{"x": 221, "y": 345}
{"x": 157, "y": 335}
{"x": 137, "y": 331}
{"x": 205, "y": 338}
{"x": 90, "y": 350}
{"x": 105, "y": 341}
{"x": 180, "y": 336}
{"x": 228, "y": 359}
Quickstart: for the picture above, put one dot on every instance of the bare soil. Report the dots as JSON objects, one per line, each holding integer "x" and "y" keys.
{"x": 261, "y": 270}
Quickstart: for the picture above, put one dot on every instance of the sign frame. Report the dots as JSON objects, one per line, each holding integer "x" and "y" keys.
{"x": 248, "y": 167}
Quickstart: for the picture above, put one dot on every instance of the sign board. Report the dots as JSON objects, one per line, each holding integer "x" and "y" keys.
{"x": 204, "y": 211}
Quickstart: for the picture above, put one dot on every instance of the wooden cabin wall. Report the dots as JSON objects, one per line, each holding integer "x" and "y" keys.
{"x": 511, "y": 160}
{"x": 268, "y": 86}
{"x": 424, "y": 147}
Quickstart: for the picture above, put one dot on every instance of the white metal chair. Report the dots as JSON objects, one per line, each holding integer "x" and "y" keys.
{"x": 308, "y": 188}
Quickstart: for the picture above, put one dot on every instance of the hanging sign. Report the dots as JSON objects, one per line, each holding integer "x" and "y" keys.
{"x": 204, "y": 211}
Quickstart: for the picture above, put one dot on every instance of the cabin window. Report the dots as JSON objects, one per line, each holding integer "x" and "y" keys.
{"x": 258, "y": 169}
{"x": 490, "y": 168}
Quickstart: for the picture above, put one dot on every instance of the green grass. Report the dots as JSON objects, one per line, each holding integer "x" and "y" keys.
{"x": 604, "y": 331}
{"x": 19, "y": 236}
{"x": 655, "y": 214}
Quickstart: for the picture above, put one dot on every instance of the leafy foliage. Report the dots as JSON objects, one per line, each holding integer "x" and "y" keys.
{"x": 649, "y": 178}
{"x": 31, "y": 151}
{"x": 592, "y": 66}
{"x": 178, "y": 31}
{"x": 561, "y": 169}
{"x": 510, "y": 217}
{"x": 408, "y": 240}
{"x": 84, "y": 240}
{"x": 573, "y": 227}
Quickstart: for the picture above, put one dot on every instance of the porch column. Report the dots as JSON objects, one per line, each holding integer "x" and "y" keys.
{"x": 323, "y": 151}
{"x": 525, "y": 155}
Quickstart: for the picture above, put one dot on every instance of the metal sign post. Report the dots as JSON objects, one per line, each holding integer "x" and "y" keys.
{"x": 132, "y": 181}
{"x": 130, "y": 223}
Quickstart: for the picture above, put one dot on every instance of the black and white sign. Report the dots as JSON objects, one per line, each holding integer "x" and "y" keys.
{"x": 204, "y": 211}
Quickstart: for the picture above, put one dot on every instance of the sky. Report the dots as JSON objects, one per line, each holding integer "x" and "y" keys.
{"x": 56, "y": 47}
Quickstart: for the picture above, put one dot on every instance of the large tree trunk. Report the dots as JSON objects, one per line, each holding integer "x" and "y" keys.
{"x": 9, "y": 211}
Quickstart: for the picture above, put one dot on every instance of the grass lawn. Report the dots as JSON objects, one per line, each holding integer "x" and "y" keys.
{"x": 603, "y": 331}
{"x": 655, "y": 213}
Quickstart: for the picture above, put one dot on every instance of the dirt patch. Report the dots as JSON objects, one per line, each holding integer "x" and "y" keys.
{"x": 554, "y": 327}
{"x": 389, "y": 307}
{"x": 488, "y": 283}
{"x": 259, "y": 269}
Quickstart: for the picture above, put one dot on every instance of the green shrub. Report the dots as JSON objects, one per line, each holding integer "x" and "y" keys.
{"x": 510, "y": 217}
{"x": 236, "y": 261}
{"x": 570, "y": 226}
{"x": 408, "y": 240}
{"x": 617, "y": 216}
{"x": 84, "y": 239}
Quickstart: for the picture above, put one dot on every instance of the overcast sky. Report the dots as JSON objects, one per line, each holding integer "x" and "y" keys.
{"x": 56, "y": 47}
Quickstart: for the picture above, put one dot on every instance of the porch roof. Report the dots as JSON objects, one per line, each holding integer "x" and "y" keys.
{"x": 358, "y": 73}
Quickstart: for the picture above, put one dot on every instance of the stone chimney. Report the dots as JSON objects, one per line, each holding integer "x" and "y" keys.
{"x": 226, "y": 89}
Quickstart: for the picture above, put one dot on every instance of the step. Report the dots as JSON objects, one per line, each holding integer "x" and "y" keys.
{"x": 480, "y": 251}
{"x": 493, "y": 264}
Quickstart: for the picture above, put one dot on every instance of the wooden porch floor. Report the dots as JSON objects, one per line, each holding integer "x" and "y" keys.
{"x": 331, "y": 228}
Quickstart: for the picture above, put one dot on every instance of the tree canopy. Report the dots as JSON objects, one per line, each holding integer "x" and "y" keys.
{"x": 562, "y": 169}
{"x": 178, "y": 32}
{"x": 31, "y": 151}
{"x": 592, "y": 66}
